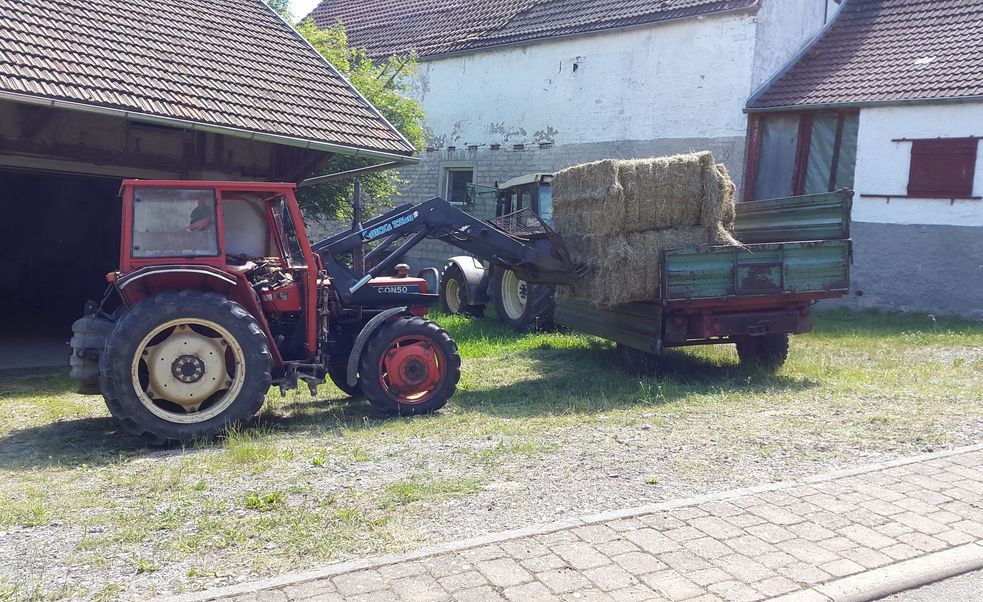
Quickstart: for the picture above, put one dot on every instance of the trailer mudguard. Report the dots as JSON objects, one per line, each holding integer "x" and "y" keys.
{"x": 363, "y": 338}
{"x": 476, "y": 278}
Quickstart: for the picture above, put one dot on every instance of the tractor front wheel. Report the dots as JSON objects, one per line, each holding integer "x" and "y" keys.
{"x": 454, "y": 298}
{"x": 410, "y": 366}
{"x": 184, "y": 365}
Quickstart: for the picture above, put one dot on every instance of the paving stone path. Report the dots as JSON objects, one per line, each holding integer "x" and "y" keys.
{"x": 752, "y": 544}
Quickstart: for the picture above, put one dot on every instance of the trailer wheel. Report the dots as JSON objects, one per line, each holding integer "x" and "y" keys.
{"x": 520, "y": 305}
{"x": 767, "y": 352}
{"x": 454, "y": 293}
{"x": 183, "y": 365}
{"x": 410, "y": 366}
{"x": 635, "y": 361}
{"x": 338, "y": 373}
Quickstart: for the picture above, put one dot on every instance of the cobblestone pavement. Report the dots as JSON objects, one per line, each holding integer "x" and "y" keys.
{"x": 745, "y": 545}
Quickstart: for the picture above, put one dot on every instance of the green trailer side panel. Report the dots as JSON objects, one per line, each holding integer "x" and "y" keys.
{"x": 823, "y": 216}
{"x": 638, "y": 325}
{"x": 761, "y": 269}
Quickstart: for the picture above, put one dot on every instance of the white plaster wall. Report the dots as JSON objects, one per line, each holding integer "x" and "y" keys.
{"x": 784, "y": 27}
{"x": 883, "y": 165}
{"x": 685, "y": 79}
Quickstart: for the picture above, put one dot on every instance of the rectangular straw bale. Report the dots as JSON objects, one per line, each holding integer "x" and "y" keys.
{"x": 615, "y": 196}
{"x": 591, "y": 198}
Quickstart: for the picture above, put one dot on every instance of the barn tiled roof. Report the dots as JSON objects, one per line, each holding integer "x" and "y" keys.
{"x": 432, "y": 27}
{"x": 880, "y": 51}
{"x": 226, "y": 63}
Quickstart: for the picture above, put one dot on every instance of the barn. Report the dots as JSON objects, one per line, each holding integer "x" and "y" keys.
{"x": 95, "y": 91}
{"x": 514, "y": 87}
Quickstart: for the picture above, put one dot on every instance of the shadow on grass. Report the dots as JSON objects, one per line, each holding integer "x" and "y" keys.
{"x": 553, "y": 374}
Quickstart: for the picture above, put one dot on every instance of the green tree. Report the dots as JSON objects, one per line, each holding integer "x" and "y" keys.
{"x": 283, "y": 8}
{"x": 385, "y": 84}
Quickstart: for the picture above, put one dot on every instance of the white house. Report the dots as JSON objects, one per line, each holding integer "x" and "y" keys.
{"x": 887, "y": 101}
{"x": 520, "y": 86}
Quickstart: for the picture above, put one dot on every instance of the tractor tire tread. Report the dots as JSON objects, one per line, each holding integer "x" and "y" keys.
{"x": 114, "y": 367}
{"x": 379, "y": 343}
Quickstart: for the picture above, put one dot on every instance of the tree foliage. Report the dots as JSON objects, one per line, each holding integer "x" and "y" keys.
{"x": 385, "y": 84}
{"x": 283, "y": 8}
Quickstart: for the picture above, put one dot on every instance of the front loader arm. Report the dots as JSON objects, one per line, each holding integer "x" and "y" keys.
{"x": 542, "y": 259}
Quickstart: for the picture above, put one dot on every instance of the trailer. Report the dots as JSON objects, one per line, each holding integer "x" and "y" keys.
{"x": 795, "y": 252}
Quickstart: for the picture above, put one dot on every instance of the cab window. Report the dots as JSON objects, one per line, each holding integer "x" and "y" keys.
{"x": 174, "y": 222}
{"x": 287, "y": 231}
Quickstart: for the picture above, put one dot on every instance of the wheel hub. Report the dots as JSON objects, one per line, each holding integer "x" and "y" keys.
{"x": 514, "y": 295}
{"x": 412, "y": 369}
{"x": 188, "y": 368}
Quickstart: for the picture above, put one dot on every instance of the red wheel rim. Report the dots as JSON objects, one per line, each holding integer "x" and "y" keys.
{"x": 412, "y": 369}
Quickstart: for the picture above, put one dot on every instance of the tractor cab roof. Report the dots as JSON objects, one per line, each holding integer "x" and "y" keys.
{"x": 545, "y": 178}
{"x": 212, "y": 184}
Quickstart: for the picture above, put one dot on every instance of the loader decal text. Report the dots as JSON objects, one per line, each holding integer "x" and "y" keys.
{"x": 384, "y": 229}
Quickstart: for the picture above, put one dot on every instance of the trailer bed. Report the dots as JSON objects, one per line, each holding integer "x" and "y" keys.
{"x": 795, "y": 252}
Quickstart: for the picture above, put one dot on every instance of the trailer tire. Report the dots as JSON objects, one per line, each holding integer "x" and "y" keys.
{"x": 161, "y": 326}
{"x": 520, "y": 305}
{"x": 637, "y": 362}
{"x": 406, "y": 354}
{"x": 454, "y": 298}
{"x": 767, "y": 352}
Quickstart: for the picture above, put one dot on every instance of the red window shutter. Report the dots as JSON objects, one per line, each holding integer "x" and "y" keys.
{"x": 942, "y": 168}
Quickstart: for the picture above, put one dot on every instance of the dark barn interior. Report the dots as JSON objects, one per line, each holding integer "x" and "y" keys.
{"x": 62, "y": 237}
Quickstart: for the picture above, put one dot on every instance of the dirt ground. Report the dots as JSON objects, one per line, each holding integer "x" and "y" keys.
{"x": 544, "y": 426}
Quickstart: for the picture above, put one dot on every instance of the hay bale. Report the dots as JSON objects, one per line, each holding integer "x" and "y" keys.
{"x": 617, "y": 217}
{"x": 614, "y": 196}
{"x": 584, "y": 189}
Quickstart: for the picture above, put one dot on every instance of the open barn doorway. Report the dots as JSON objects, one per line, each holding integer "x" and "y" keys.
{"x": 61, "y": 237}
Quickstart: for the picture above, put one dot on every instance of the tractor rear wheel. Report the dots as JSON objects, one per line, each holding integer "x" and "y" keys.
{"x": 184, "y": 365}
{"x": 454, "y": 293}
{"x": 520, "y": 305}
{"x": 410, "y": 366}
{"x": 767, "y": 352}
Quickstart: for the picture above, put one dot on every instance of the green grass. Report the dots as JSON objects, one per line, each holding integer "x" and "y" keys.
{"x": 314, "y": 480}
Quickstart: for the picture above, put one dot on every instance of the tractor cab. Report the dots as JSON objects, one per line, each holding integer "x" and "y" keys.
{"x": 531, "y": 192}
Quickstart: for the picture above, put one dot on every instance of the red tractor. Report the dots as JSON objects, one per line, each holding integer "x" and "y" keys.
{"x": 220, "y": 295}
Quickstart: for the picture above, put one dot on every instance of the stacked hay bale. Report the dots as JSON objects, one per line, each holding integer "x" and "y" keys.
{"x": 618, "y": 216}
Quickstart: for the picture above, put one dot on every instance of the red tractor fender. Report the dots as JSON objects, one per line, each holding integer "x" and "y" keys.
{"x": 148, "y": 281}
{"x": 363, "y": 338}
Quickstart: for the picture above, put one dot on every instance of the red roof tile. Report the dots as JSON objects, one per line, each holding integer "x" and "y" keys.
{"x": 225, "y": 63}
{"x": 430, "y": 27}
{"x": 880, "y": 51}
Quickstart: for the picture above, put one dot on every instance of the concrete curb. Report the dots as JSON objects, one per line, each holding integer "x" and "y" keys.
{"x": 816, "y": 594}
{"x": 891, "y": 579}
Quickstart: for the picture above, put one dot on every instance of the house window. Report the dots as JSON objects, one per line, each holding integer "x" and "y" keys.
{"x": 802, "y": 153}
{"x": 942, "y": 168}
{"x": 456, "y": 185}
